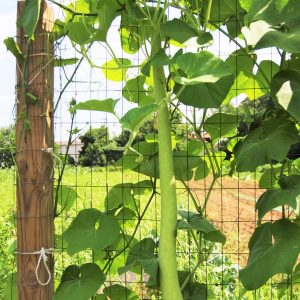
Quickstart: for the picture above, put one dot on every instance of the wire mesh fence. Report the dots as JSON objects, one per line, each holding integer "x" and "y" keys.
{"x": 97, "y": 176}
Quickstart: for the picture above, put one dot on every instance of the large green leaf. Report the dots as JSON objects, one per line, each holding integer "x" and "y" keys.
{"x": 195, "y": 147}
{"x": 135, "y": 91}
{"x": 107, "y": 105}
{"x": 142, "y": 254}
{"x": 195, "y": 291}
{"x": 79, "y": 5}
{"x": 201, "y": 67}
{"x": 160, "y": 59}
{"x": 115, "y": 70}
{"x": 234, "y": 24}
{"x": 268, "y": 179}
{"x": 12, "y": 47}
{"x": 78, "y": 32}
{"x": 271, "y": 141}
{"x": 288, "y": 41}
{"x": 202, "y": 170}
{"x": 143, "y": 187}
{"x": 91, "y": 229}
{"x": 221, "y": 10}
{"x": 120, "y": 195}
{"x": 273, "y": 12}
{"x": 221, "y": 125}
{"x": 135, "y": 117}
{"x": 30, "y": 16}
{"x": 262, "y": 35}
{"x": 239, "y": 61}
{"x": 66, "y": 196}
{"x": 266, "y": 70}
{"x": 134, "y": 29}
{"x": 117, "y": 292}
{"x": 205, "y": 95}
{"x": 61, "y": 62}
{"x": 130, "y": 42}
{"x": 184, "y": 165}
{"x": 194, "y": 221}
{"x": 79, "y": 283}
{"x": 130, "y": 158}
{"x": 293, "y": 63}
{"x": 285, "y": 87}
{"x": 107, "y": 12}
{"x": 247, "y": 82}
{"x": 179, "y": 30}
{"x": 242, "y": 65}
{"x": 274, "y": 248}
{"x": 286, "y": 195}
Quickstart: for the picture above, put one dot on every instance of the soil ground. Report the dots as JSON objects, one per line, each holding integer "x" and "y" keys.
{"x": 231, "y": 207}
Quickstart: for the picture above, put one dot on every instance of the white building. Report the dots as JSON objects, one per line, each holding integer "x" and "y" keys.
{"x": 74, "y": 148}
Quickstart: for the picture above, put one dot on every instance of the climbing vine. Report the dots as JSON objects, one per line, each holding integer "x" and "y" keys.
{"x": 168, "y": 79}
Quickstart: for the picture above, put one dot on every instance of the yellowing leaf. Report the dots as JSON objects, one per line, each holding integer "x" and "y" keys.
{"x": 116, "y": 70}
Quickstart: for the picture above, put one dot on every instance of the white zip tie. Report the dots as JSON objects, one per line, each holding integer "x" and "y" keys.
{"x": 42, "y": 257}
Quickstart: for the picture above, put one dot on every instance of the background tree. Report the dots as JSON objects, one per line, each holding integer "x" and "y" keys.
{"x": 92, "y": 152}
{"x": 7, "y": 147}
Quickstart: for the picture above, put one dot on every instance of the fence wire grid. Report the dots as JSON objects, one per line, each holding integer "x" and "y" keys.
{"x": 86, "y": 178}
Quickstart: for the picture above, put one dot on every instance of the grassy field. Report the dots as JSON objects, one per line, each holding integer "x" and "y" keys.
{"x": 92, "y": 186}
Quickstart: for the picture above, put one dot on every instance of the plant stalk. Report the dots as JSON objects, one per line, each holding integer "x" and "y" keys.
{"x": 167, "y": 243}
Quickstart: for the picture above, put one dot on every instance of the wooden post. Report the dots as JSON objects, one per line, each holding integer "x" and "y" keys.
{"x": 34, "y": 140}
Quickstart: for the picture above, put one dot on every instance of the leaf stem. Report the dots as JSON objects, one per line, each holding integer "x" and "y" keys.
{"x": 198, "y": 208}
{"x": 140, "y": 218}
{"x": 207, "y": 15}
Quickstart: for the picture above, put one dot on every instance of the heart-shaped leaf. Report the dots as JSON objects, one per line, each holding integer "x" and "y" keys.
{"x": 30, "y": 16}
{"x": 120, "y": 195}
{"x": 79, "y": 283}
{"x": 107, "y": 105}
{"x": 91, "y": 229}
{"x": 12, "y": 46}
{"x": 137, "y": 116}
{"x": 142, "y": 254}
{"x": 273, "y": 12}
{"x": 266, "y": 70}
{"x": 183, "y": 165}
{"x": 221, "y": 11}
{"x": 262, "y": 35}
{"x": 285, "y": 87}
{"x": 115, "y": 69}
{"x": 274, "y": 248}
{"x": 286, "y": 195}
{"x": 61, "y": 62}
{"x": 107, "y": 12}
{"x": 205, "y": 95}
{"x": 268, "y": 179}
{"x": 78, "y": 32}
{"x": 179, "y": 30}
{"x": 201, "y": 67}
{"x": 194, "y": 221}
{"x": 135, "y": 91}
{"x": 271, "y": 141}
{"x": 117, "y": 292}
{"x": 221, "y": 125}
{"x": 160, "y": 59}
{"x": 66, "y": 196}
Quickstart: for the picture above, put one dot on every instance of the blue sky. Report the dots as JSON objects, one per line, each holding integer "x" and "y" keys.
{"x": 7, "y": 62}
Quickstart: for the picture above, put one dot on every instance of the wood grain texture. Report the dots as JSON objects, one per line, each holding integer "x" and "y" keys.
{"x": 35, "y": 227}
